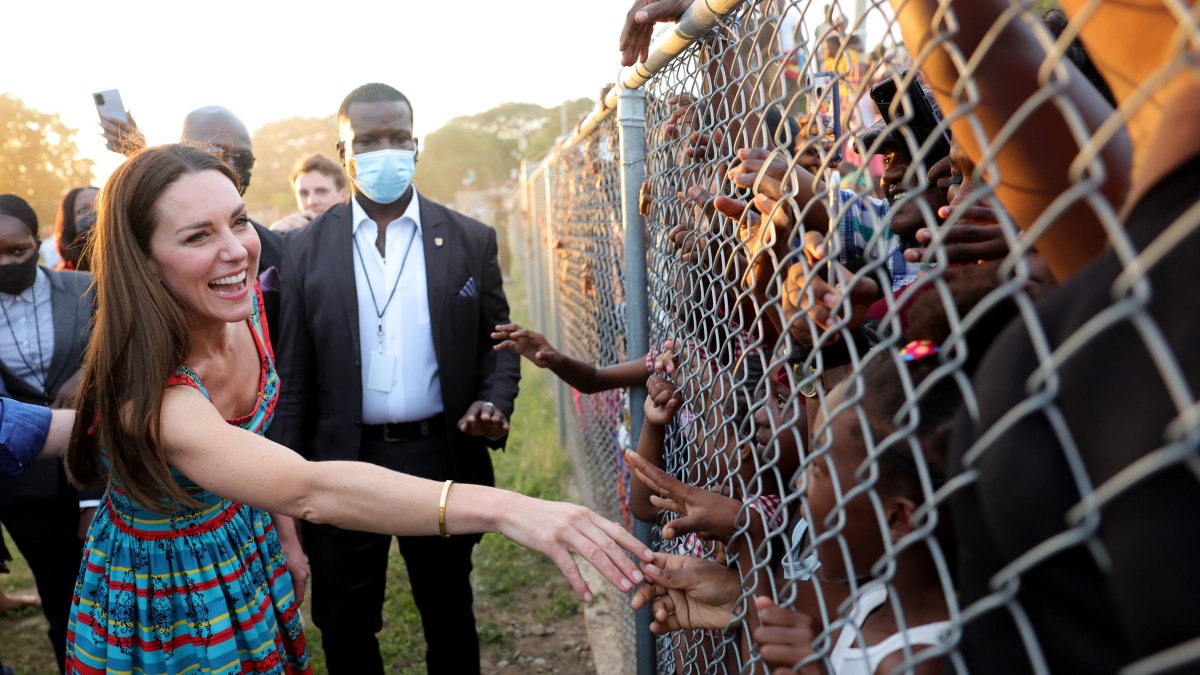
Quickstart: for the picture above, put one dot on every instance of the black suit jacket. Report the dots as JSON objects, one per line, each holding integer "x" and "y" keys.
{"x": 270, "y": 255}
{"x": 72, "y": 302}
{"x": 319, "y": 413}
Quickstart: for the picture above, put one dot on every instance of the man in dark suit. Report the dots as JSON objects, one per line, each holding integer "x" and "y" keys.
{"x": 388, "y": 303}
{"x": 44, "y": 328}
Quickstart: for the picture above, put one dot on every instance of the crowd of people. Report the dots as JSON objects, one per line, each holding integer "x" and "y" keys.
{"x": 179, "y": 332}
{"x": 884, "y": 430}
{"x": 918, "y": 393}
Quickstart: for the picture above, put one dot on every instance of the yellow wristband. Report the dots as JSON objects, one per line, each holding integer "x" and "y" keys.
{"x": 442, "y": 509}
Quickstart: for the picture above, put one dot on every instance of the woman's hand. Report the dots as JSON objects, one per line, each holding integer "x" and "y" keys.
{"x": 687, "y": 592}
{"x": 297, "y": 564}
{"x": 293, "y": 553}
{"x": 558, "y": 529}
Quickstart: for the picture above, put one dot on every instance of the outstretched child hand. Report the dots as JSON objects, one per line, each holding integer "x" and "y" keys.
{"x": 527, "y": 343}
{"x": 709, "y": 515}
{"x": 687, "y": 592}
{"x": 784, "y": 639}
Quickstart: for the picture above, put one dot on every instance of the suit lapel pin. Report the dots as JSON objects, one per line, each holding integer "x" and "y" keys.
{"x": 438, "y": 241}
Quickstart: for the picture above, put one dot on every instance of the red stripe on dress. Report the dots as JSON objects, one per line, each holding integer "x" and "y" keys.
{"x": 150, "y": 535}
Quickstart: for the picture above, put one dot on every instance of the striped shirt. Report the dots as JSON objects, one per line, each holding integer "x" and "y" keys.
{"x": 865, "y": 235}
{"x": 27, "y": 334}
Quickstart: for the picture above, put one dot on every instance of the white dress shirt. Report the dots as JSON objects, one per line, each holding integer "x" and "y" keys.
{"x": 414, "y": 391}
{"x": 27, "y": 338}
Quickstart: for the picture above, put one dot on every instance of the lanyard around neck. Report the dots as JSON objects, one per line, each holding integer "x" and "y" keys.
{"x": 41, "y": 366}
{"x": 380, "y": 312}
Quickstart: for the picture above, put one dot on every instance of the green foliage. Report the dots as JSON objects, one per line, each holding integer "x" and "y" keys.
{"x": 277, "y": 147}
{"x": 39, "y": 158}
{"x": 454, "y": 153}
{"x": 560, "y": 606}
{"x": 481, "y": 151}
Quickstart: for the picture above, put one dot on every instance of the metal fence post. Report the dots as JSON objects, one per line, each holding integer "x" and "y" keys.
{"x": 631, "y": 115}
{"x": 560, "y": 387}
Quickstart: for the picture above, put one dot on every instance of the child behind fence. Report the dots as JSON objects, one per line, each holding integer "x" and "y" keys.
{"x": 880, "y": 454}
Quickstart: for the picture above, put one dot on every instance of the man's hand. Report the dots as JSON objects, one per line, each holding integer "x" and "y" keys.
{"x": 527, "y": 343}
{"x": 292, "y": 222}
{"x": 662, "y": 401}
{"x": 639, "y": 26}
{"x": 976, "y": 237}
{"x": 687, "y": 592}
{"x": 122, "y": 137}
{"x": 711, "y": 516}
{"x": 784, "y": 638}
{"x": 483, "y": 419}
{"x": 66, "y": 393}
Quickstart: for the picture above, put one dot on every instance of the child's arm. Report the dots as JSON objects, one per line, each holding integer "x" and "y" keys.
{"x": 584, "y": 377}
{"x": 661, "y": 405}
{"x": 709, "y": 515}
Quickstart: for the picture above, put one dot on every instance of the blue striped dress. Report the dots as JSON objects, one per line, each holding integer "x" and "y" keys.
{"x": 196, "y": 591}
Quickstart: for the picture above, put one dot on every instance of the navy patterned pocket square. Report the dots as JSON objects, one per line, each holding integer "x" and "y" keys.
{"x": 468, "y": 289}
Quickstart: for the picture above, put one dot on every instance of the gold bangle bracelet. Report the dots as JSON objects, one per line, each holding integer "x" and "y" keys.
{"x": 442, "y": 509}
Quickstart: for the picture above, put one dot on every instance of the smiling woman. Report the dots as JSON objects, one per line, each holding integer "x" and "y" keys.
{"x": 186, "y": 570}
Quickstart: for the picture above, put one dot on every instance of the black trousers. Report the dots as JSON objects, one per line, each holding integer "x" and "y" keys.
{"x": 349, "y": 575}
{"x": 46, "y": 534}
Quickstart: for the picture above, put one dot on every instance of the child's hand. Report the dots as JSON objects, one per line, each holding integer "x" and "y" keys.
{"x": 805, "y": 291}
{"x": 527, "y": 343}
{"x": 662, "y": 401}
{"x": 667, "y": 360}
{"x": 768, "y": 174}
{"x": 687, "y": 592}
{"x": 784, "y": 638}
{"x": 709, "y": 515}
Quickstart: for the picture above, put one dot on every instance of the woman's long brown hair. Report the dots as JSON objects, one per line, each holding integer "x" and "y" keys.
{"x": 139, "y": 335}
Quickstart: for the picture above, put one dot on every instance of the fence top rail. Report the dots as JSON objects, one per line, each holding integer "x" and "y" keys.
{"x": 695, "y": 23}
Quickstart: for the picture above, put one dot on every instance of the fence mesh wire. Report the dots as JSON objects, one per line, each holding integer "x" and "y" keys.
{"x": 921, "y": 384}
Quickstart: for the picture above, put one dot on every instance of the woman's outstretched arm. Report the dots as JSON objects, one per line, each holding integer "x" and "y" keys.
{"x": 247, "y": 468}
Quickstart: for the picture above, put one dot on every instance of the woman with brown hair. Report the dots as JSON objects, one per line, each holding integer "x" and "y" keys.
{"x": 184, "y": 568}
{"x": 77, "y": 203}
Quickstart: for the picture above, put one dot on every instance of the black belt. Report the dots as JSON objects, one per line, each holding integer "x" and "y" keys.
{"x": 406, "y": 431}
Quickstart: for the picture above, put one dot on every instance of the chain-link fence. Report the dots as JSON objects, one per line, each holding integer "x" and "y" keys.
{"x": 921, "y": 352}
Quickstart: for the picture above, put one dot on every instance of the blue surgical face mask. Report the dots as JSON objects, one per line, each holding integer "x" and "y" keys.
{"x": 383, "y": 175}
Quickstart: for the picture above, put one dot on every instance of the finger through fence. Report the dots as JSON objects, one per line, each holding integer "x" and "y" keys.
{"x": 921, "y": 372}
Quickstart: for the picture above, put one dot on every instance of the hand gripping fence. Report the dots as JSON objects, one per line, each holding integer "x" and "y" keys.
{"x": 910, "y": 284}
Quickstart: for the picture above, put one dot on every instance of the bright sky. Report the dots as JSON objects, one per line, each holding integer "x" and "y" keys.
{"x": 270, "y": 59}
